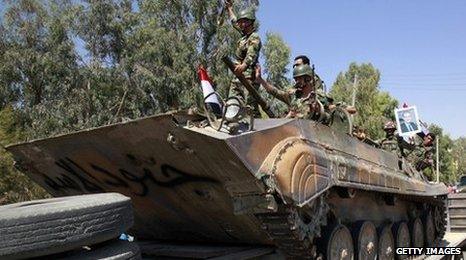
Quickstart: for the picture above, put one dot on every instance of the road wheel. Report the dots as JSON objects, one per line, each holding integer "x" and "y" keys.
{"x": 429, "y": 230}
{"x": 417, "y": 233}
{"x": 339, "y": 244}
{"x": 386, "y": 246}
{"x": 365, "y": 240}
{"x": 402, "y": 238}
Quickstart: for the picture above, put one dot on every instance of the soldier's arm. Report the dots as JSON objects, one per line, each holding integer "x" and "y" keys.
{"x": 231, "y": 14}
{"x": 254, "y": 47}
{"x": 277, "y": 93}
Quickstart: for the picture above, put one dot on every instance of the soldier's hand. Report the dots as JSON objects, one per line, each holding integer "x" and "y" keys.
{"x": 240, "y": 68}
{"x": 291, "y": 114}
{"x": 258, "y": 73}
{"x": 228, "y": 3}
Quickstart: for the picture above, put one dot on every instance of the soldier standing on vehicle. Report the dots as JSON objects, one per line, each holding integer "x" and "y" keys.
{"x": 246, "y": 54}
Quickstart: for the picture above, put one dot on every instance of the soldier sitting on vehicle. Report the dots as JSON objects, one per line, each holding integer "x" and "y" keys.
{"x": 319, "y": 83}
{"x": 303, "y": 59}
{"x": 391, "y": 140}
{"x": 303, "y": 98}
{"x": 424, "y": 152}
{"x": 418, "y": 151}
{"x": 359, "y": 133}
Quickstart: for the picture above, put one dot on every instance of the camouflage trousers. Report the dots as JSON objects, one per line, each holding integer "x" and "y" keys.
{"x": 237, "y": 89}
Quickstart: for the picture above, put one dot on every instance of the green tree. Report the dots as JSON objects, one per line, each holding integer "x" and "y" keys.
{"x": 374, "y": 107}
{"x": 459, "y": 157}
{"x": 14, "y": 185}
{"x": 446, "y": 160}
{"x": 276, "y": 55}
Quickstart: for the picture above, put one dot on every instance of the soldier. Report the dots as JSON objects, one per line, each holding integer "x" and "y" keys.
{"x": 319, "y": 84}
{"x": 420, "y": 152}
{"x": 359, "y": 133}
{"x": 390, "y": 142}
{"x": 424, "y": 152}
{"x": 301, "y": 98}
{"x": 246, "y": 54}
{"x": 303, "y": 59}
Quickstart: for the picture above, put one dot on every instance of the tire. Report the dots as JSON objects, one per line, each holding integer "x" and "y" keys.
{"x": 44, "y": 227}
{"x": 111, "y": 250}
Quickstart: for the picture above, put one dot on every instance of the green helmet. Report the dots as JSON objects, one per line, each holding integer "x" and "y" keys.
{"x": 301, "y": 70}
{"x": 247, "y": 14}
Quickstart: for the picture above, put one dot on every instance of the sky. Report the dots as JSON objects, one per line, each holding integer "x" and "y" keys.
{"x": 418, "y": 46}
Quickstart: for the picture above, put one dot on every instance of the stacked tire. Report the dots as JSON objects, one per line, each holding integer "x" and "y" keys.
{"x": 75, "y": 227}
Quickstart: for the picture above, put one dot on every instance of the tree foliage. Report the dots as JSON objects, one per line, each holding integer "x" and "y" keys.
{"x": 374, "y": 107}
{"x": 14, "y": 185}
{"x": 276, "y": 55}
{"x": 459, "y": 157}
{"x": 446, "y": 159}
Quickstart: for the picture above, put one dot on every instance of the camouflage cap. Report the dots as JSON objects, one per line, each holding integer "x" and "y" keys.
{"x": 247, "y": 14}
{"x": 302, "y": 70}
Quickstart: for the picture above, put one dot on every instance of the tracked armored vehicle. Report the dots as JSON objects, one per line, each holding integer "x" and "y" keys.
{"x": 299, "y": 185}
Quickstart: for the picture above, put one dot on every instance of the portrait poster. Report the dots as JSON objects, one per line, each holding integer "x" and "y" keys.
{"x": 407, "y": 121}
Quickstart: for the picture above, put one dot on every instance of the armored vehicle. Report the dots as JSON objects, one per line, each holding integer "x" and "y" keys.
{"x": 308, "y": 189}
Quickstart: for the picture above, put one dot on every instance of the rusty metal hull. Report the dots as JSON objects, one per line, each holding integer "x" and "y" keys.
{"x": 197, "y": 184}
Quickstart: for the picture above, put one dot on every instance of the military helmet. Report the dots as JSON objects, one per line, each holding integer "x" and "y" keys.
{"x": 247, "y": 14}
{"x": 302, "y": 70}
{"x": 390, "y": 125}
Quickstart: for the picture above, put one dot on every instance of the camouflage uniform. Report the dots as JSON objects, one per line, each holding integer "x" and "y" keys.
{"x": 296, "y": 102}
{"x": 412, "y": 149}
{"x": 425, "y": 160}
{"x": 391, "y": 142}
{"x": 418, "y": 154}
{"x": 318, "y": 83}
{"x": 247, "y": 51}
{"x": 422, "y": 155}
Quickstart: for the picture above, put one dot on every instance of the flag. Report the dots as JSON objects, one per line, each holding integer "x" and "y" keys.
{"x": 210, "y": 97}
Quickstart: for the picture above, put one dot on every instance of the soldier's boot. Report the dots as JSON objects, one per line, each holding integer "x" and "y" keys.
{"x": 237, "y": 89}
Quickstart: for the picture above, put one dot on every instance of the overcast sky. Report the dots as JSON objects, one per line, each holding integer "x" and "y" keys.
{"x": 419, "y": 47}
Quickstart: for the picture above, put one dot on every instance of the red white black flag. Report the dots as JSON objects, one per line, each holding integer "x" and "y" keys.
{"x": 210, "y": 97}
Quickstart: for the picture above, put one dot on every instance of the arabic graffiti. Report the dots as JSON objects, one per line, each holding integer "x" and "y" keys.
{"x": 76, "y": 178}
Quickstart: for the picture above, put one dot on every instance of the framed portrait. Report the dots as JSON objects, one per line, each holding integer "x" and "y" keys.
{"x": 407, "y": 121}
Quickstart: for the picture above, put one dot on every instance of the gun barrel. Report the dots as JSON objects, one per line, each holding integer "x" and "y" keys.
{"x": 249, "y": 87}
